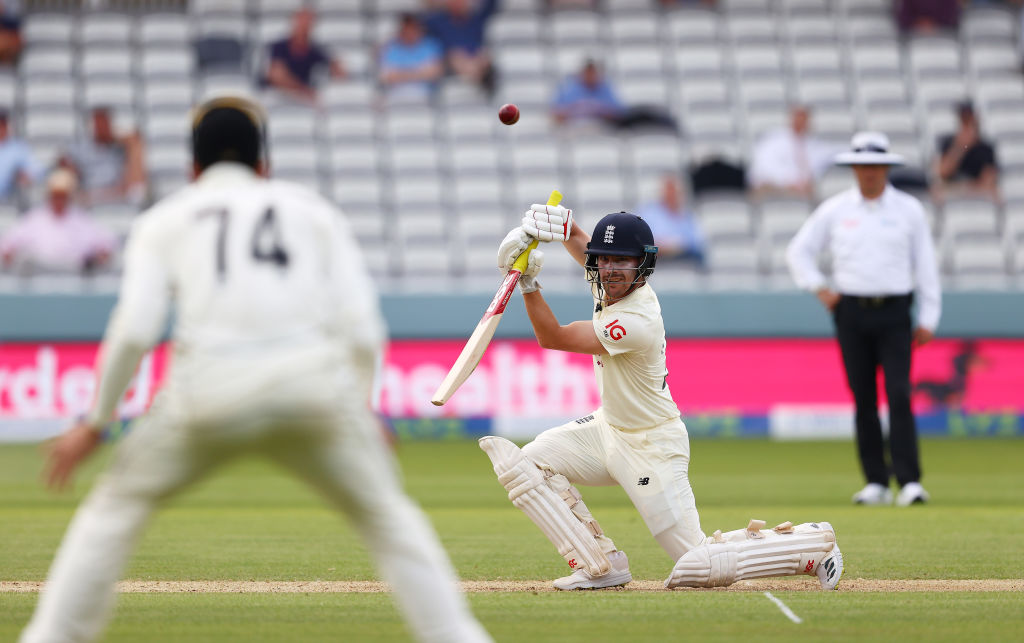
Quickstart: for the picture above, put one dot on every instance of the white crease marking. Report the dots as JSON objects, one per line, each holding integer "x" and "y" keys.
{"x": 784, "y": 608}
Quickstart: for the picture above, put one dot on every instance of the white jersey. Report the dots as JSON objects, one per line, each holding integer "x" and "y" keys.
{"x": 632, "y": 377}
{"x": 252, "y": 265}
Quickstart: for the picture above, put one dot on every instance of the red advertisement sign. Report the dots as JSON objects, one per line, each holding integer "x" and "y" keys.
{"x": 518, "y": 379}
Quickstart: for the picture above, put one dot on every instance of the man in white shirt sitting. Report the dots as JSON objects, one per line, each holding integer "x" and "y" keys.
{"x": 881, "y": 253}
{"x": 789, "y": 161}
{"x": 57, "y": 236}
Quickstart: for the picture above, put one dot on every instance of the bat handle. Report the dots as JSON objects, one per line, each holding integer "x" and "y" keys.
{"x": 521, "y": 261}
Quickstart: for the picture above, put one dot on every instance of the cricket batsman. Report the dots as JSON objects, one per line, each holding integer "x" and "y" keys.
{"x": 277, "y": 337}
{"x": 636, "y": 438}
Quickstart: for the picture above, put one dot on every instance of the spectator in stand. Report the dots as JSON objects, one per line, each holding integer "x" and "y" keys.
{"x": 674, "y": 225}
{"x": 110, "y": 166}
{"x": 923, "y": 17}
{"x": 788, "y": 161}
{"x": 411, "y": 63}
{"x": 10, "y": 33}
{"x": 17, "y": 164}
{"x": 296, "y": 59}
{"x": 57, "y": 236}
{"x": 967, "y": 163}
{"x": 586, "y": 98}
{"x": 460, "y": 28}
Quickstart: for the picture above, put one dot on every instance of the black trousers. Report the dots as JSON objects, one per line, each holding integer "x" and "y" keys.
{"x": 875, "y": 332}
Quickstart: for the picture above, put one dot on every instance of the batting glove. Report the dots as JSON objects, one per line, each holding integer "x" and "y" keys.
{"x": 511, "y": 247}
{"x": 528, "y": 281}
{"x": 548, "y": 222}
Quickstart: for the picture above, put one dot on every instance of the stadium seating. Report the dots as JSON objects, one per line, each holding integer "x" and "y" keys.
{"x": 728, "y": 75}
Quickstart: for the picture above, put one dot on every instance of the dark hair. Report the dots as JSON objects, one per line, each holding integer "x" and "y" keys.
{"x": 226, "y": 133}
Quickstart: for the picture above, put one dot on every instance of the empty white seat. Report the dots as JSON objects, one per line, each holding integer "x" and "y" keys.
{"x": 118, "y": 94}
{"x": 469, "y": 159}
{"x": 354, "y": 158}
{"x": 157, "y": 64}
{"x": 752, "y": 61}
{"x": 637, "y": 60}
{"x": 698, "y": 60}
{"x": 821, "y": 91}
{"x": 52, "y": 127}
{"x": 414, "y": 159}
{"x": 52, "y": 62}
{"x": 873, "y": 91}
{"x": 934, "y": 56}
{"x": 421, "y": 226}
{"x": 40, "y": 95}
{"x": 734, "y": 257}
{"x": 414, "y": 192}
{"x": 409, "y": 124}
{"x": 978, "y": 257}
{"x": 877, "y": 60}
{"x": 656, "y": 153}
{"x": 47, "y": 28}
{"x": 340, "y": 31}
{"x": 360, "y": 193}
{"x": 817, "y": 59}
{"x": 106, "y": 63}
{"x": 575, "y": 27}
{"x": 169, "y": 159}
{"x": 521, "y": 61}
{"x": 809, "y": 27}
{"x": 970, "y": 216}
{"x": 725, "y": 225}
{"x": 113, "y": 29}
{"x": 534, "y": 188}
{"x": 994, "y": 58}
{"x": 164, "y": 29}
{"x": 634, "y": 28}
{"x": 693, "y": 25}
{"x": 534, "y": 158}
{"x": 987, "y": 24}
{"x": 168, "y": 126}
{"x": 514, "y": 28}
{"x": 480, "y": 192}
{"x": 751, "y": 28}
{"x": 599, "y": 193}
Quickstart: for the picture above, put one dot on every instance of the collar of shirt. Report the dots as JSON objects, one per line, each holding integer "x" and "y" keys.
{"x": 884, "y": 199}
{"x": 226, "y": 173}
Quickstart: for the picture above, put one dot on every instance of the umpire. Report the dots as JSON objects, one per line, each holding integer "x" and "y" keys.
{"x": 881, "y": 248}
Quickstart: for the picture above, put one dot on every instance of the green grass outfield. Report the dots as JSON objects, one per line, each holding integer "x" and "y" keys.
{"x": 250, "y": 522}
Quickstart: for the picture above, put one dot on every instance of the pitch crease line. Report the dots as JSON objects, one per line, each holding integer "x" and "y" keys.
{"x": 784, "y": 609}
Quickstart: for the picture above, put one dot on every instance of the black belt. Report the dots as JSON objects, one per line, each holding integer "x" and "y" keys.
{"x": 879, "y": 301}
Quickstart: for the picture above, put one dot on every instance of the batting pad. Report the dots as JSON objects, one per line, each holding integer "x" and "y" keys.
{"x": 753, "y": 553}
{"x": 550, "y": 510}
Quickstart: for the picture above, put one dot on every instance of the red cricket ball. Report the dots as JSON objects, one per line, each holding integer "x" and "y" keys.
{"x": 509, "y": 114}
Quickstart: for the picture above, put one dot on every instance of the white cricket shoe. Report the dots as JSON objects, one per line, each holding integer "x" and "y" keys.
{"x": 912, "y": 493}
{"x": 873, "y": 494}
{"x": 581, "y": 578}
{"x": 830, "y": 569}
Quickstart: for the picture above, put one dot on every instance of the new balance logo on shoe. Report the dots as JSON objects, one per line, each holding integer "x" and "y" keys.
{"x": 644, "y": 481}
{"x": 830, "y": 568}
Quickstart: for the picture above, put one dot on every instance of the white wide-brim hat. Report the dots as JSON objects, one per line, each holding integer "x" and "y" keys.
{"x": 869, "y": 148}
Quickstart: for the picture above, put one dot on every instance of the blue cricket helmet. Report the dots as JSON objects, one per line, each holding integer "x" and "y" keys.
{"x": 623, "y": 234}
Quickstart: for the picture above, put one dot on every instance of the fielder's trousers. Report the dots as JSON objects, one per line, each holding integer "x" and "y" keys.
{"x": 873, "y": 332}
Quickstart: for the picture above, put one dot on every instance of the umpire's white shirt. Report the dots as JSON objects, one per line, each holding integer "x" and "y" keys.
{"x": 256, "y": 267}
{"x": 632, "y": 377}
{"x": 878, "y": 247}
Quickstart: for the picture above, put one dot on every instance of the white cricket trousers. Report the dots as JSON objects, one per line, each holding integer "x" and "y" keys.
{"x": 650, "y": 465}
{"x": 298, "y": 419}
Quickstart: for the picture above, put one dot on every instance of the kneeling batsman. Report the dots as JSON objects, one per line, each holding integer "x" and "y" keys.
{"x": 619, "y": 258}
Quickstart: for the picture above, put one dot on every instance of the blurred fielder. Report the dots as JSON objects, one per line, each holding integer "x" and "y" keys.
{"x": 277, "y": 336}
{"x": 636, "y": 439}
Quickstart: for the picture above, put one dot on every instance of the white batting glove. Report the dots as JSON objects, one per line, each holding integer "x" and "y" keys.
{"x": 511, "y": 247}
{"x": 528, "y": 281}
{"x": 548, "y": 222}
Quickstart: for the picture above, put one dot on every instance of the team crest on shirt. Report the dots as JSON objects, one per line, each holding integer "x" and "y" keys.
{"x": 614, "y": 330}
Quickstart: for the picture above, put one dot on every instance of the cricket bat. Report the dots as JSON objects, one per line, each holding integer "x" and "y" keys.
{"x": 481, "y": 337}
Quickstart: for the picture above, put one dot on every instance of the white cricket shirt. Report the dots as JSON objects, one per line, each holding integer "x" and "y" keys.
{"x": 879, "y": 247}
{"x": 632, "y": 377}
{"x": 249, "y": 263}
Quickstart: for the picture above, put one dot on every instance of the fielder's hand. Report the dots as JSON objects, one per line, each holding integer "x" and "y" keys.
{"x": 528, "y": 281}
{"x": 67, "y": 451}
{"x": 511, "y": 247}
{"x": 548, "y": 222}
